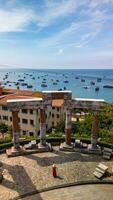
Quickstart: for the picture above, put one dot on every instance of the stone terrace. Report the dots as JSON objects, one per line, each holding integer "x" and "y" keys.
{"x": 27, "y": 173}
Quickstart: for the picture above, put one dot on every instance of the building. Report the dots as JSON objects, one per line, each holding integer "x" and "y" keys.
{"x": 29, "y": 120}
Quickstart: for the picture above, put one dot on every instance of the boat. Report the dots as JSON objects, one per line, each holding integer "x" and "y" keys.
{"x": 43, "y": 82}
{"x": 20, "y": 80}
{"x": 97, "y": 88}
{"x": 64, "y": 88}
{"x": 43, "y": 85}
{"x": 82, "y": 80}
{"x": 76, "y": 77}
{"x": 108, "y": 86}
{"x": 29, "y": 86}
{"x": 92, "y": 83}
{"x": 24, "y": 84}
{"x": 99, "y": 79}
{"x": 17, "y": 83}
{"x": 86, "y": 87}
{"x": 66, "y": 81}
{"x": 54, "y": 83}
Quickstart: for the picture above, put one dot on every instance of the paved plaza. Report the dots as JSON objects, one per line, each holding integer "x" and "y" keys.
{"x": 84, "y": 192}
{"x": 25, "y": 174}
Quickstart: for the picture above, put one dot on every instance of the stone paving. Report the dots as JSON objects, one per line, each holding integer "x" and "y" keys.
{"x": 27, "y": 173}
{"x": 84, "y": 192}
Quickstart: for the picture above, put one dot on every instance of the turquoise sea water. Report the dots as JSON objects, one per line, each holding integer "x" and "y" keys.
{"x": 73, "y": 77}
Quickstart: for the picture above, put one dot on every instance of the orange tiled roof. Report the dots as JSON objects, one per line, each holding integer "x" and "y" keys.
{"x": 20, "y": 92}
{"x": 57, "y": 102}
{"x": 4, "y": 98}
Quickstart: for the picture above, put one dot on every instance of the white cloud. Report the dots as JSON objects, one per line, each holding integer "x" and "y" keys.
{"x": 15, "y": 20}
{"x": 97, "y": 3}
{"x": 54, "y": 10}
{"x": 60, "y": 51}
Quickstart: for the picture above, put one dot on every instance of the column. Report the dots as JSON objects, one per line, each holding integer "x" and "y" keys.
{"x": 94, "y": 131}
{"x": 68, "y": 126}
{"x": 42, "y": 127}
{"x": 36, "y": 121}
{"x": 16, "y": 129}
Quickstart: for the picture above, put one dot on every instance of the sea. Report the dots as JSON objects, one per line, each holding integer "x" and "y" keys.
{"x": 82, "y": 82}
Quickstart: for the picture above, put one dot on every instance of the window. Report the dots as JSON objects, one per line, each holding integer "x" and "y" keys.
{"x": 4, "y": 108}
{"x": 57, "y": 109}
{"x": 49, "y": 114}
{"x": 24, "y": 132}
{"x": 31, "y": 133}
{"x": 31, "y": 112}
{"x": 5, "y": 117}
{"x": 52, "y": 115}
{"x": 24, "y": 121}
{"x": 52, "y": 123}
{"x": 53, "y": 108}
{"x": 31, "y": 122}
{"x": 0, "y": 116}
{"x": 57, "y": 115}
{"x": 11, "y": 119}
{"x": 24, "y": 111}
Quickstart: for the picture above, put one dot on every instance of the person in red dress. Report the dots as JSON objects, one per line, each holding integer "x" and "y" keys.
{"x": 54, "y": 173}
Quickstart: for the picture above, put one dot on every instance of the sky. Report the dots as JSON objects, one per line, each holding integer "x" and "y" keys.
{"x": 56, "y": 33}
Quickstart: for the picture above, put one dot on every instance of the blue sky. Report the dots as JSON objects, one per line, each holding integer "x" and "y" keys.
{"x": 56, "y": 33}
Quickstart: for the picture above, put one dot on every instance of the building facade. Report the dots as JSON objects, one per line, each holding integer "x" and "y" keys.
{"x": 29, "y": 120}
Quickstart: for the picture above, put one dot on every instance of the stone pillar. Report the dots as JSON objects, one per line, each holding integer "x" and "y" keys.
{"x": 36, "y": 121}
{"x": 42, "y": 127}
{"x": 16, "y": 129}
{"x": 68, "y": 126}
{"x": 94, "y": 131}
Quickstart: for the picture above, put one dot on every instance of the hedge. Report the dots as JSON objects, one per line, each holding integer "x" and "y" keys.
{"x": 55, "y": 141}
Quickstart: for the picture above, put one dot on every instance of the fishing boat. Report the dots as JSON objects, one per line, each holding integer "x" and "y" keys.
{"x": 108, "y": 86}
{"x": 43, "y": 85}
{"x": 20, "y": 80}
{"x": 66, "y": 81}
{"x": 86, "y": 87}
{"x": 24, "y": 84}
{"x": 92, "y": 83}
{"x": 82, "y": 80}
{"x": 99, "y": 79}
{"x": 43, "y": 82}
{"x": 17, "y": 83}
{"x": 29, "y": 86}
{"x": 97, "y": 88}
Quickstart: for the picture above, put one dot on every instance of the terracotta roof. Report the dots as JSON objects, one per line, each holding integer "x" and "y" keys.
{"x": 3, "y": 99}
{"x": 20, "y": 92}
{"x": 57, "y": 102}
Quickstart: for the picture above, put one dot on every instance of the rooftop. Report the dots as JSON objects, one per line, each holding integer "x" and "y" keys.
{"x": 57, "y": 102}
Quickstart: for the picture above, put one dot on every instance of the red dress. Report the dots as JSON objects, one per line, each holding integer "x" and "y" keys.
{"x": 54, "y": 171}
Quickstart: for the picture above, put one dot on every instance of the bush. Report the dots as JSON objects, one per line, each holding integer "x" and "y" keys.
{"x": 3, "y": 128}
